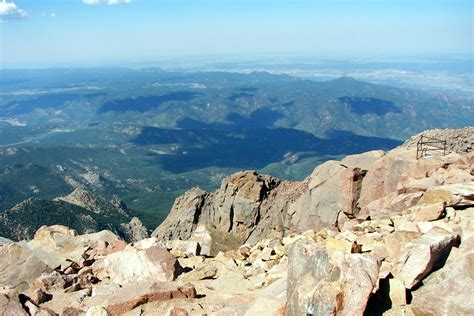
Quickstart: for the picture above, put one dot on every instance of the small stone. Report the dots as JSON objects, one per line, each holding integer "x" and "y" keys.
{"x": 73, "y": 288}
{"x": 85, "y": 271}
{"x": 333, "y": 244}
{"x": 177, "y": 311}
{"x": 69, "y": 270}
{"x": 397, "y": 292}
{"x": 408, "y": 226}
{"x": 254, "y": 255}
{"x": 39, "y": 297}
{"x": 244, "y": 250}
{"x": 280, "y": 250}
{"x": 71, "y": 311}
{"x": 429, "y": 212}
{"x": 349, "y": 236}
{"x": 201, "y": 273}
{"x": 450, "y": 212}
{"x": 266, "y": 254}
{"x": 235, "y": 254}
{"x": 97, "y": 311}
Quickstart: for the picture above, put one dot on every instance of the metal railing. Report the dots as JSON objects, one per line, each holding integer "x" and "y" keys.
{"x": 427, "y": 145}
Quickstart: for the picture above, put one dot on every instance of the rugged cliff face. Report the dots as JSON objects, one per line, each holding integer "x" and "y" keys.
{"x": 249, "y": 206}
{"x": 374, "y": 233}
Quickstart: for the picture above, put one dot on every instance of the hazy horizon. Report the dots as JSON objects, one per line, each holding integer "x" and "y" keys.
{"x": 111, "y": 32}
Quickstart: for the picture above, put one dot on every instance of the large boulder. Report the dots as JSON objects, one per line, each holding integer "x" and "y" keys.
{"x": 363, "y": 161}
{"x": 134, "y": 264}
{"x": 321, "y": 206}
{"x": 457, "y": 195}
{"x": 385, "y": 175}
{"x": 423, "y": 256}
{"x": 449, "y": 291}
{"x": 322, "y": 283}
{"x": 56, "y": 244}
{"x": 133, "y": 295}
{"x": 19, "y": 267}
{"x": 10, "y": 303}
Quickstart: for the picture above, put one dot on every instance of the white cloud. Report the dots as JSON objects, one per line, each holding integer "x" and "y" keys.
{"x": 108, "y": 2}
{"x": 9, "y": 10}
{"x": 48, "y": 14}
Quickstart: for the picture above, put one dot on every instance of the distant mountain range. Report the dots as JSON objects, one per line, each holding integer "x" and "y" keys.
{"x": 147, "y": 135}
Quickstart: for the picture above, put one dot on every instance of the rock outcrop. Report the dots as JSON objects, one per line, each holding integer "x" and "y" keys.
{"x": 94, "y": 203}
{"x": 249, "y": 206}
{"x": 83, "y": 211}
{"x": 134, "y": 231}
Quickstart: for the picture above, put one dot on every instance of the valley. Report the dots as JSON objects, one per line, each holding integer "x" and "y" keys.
{"x": 147, "y": 135}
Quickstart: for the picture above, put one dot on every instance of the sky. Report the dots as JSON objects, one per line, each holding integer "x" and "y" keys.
{"x": 105, "y": 32}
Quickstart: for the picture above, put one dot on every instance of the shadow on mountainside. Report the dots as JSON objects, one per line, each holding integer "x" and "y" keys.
{"x": 248, "y": 148}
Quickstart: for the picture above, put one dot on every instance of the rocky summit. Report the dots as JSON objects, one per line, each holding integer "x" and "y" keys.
{"x": 375, "y": 233}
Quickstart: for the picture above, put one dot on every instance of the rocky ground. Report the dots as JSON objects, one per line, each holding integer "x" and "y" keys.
{"x": 374, "y": 233}
{"x": 457, "y": 140}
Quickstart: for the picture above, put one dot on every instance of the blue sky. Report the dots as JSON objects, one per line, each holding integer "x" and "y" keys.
{"x": 71, "y": 32}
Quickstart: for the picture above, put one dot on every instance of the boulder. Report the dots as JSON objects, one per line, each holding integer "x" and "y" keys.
{"x": 428, "y": 212}
{"x": 332, "y": 188}
{"x": 449, "y": 291}
{"x": 184, "y": 248}
{"x": 232, "y": 212}
{"x": 38, "y": 296}
{"x": 131, "y": 265}
{"x": 398, "y": 295}
{"x": 19, "y": 267}
{"x": 423, "y": 256}
{"x": 397, "y": 242}
{"x": 5, "y": 241}
{"x": 363, "y": 161}
{"x": 458, "y": 194}
{"x": 321, "y": 284}
{"x": 386, "y": 174}
{"x": 10, "y": 303}
{"x": 50, "y": 282}
{"x": 201, "y": 272}
{"x": 94, "y": 238}
{"x": 133, "y": 295}
{"x": 55, "y": 245}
